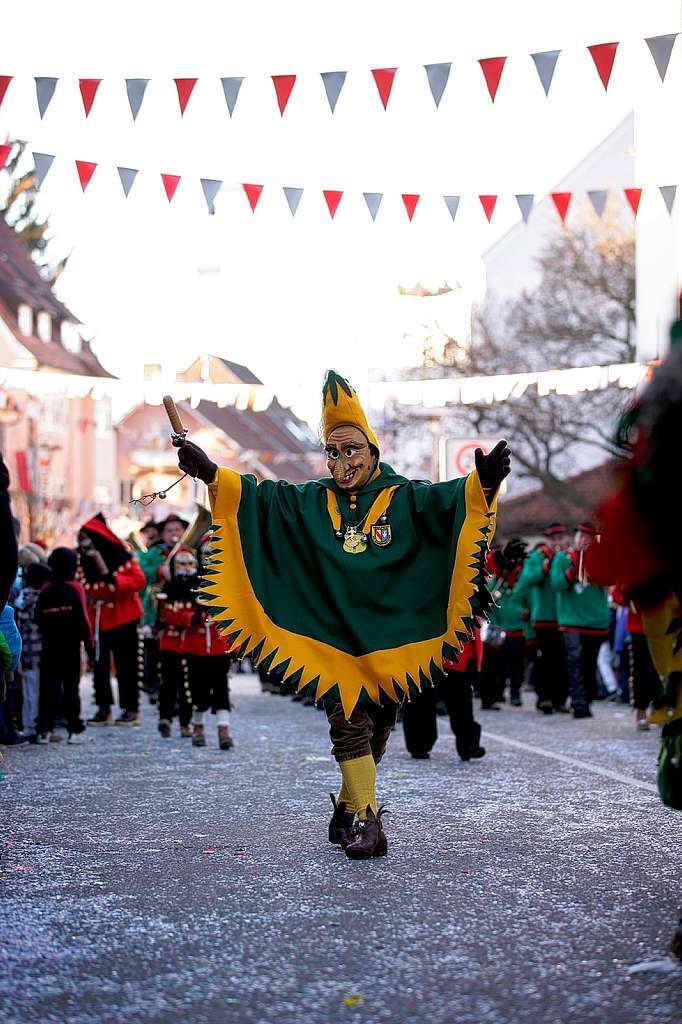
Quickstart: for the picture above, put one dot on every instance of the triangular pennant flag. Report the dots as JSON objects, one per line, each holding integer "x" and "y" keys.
{"x": 253, "y": 193}
{"x": 45, "y": 88}
{"x": 384, "y": 82}
{"x": 561, "y": 201}
{"x": 136, "y": 88}
{"x": 438, "y": 75}
{"x": 4, "y": 85}
{"x": 488, "y": 203}
{"x": 127, "y": 176}
{"x": 211, "y": 187}
{"x": 373, "y": 200}
{"x": 668, "y": 193}
{"x": 88, "y": 88}
{"x": 42, "y": 163}
{"x": 170, "y": 184}
{"x": 5, "y": 151}
{"x": 525, "y": 202}
{"x": 332, "y": 198}
{"x": 598, "y": 199}
{"x": 545, "y": 64}
{"x": 492, "y": 68}
{"x": 293, "y": 198}
{"x": 231, "y": 87}
{"x": 452, "y": 203}
{"x": 185, "y": 87}
{"x": 283, "y": 85}
{"x": 603, "y": 55}
{"x": 85, "y": 169}
{"x": 333, "y": 84}
{"x": 633, "y": 196}
{"x": 410, "y": 200}
{"x": 661, "y": 47}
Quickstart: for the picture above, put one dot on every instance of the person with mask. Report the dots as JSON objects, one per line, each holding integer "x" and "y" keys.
{"x": 176, "y": 604}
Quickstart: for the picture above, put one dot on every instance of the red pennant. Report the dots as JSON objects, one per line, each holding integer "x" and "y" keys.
{"x": 492, "y": 68}
{"x": 633, "y": 196}
{"x": 562, "y": 201}
{"x": 253, "y": 195}
{"x": 384, "y": 83}
{"x": 603, "y": 55}
{"x": 410, "y": 201}
{"x": 488, "y": 203}
{"x": 4, "y": 84}
{"x": 185, "y": 87}
{"x": 170, "y": 183}
{"x": 5, "y": 151}
{"x": 283, "y": 85}
{"x": 88, "y": 88}
{"x": 333, "y": 199}
{"x": 85, "y": 169}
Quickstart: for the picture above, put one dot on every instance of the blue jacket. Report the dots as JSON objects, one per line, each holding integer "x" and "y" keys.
{"x": 12, "y": 637}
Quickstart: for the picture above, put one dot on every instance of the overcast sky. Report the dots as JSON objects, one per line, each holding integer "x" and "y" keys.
{"x": 291, "y": 297}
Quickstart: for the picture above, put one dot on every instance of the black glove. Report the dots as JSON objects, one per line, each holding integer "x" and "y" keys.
{"x": 515, "y": 551}
{"x": 195, "y": 462}
{"x": 493, "y": 468}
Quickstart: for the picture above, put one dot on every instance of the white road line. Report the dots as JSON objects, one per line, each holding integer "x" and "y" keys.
{"x": 586, "y": 765}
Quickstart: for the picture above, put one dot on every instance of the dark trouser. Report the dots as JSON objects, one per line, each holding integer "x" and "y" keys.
{"x": 120, "y": 642}
{"x": 60, "y": 676}
{"x": 645, "y": 682}
{"x": 492, "y": 677}
{"x": 551, "y": 680}
{"x": 209, "y": 681}
{"x": 582, "y": 650}
{"x": 419, "y": 716}
{"x": 151, "y": 665}
{"x": 514, "y": 663}
{"x": 175, "y": 692}
{"x": 365, "y": 732}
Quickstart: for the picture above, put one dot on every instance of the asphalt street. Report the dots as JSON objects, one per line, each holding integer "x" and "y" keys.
{"x": 144, "y": 880}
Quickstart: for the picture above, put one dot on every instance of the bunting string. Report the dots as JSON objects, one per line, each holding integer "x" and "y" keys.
{"x": 437, "y": 78}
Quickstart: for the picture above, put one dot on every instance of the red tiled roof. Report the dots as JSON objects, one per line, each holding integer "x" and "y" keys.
{"x": 529, "y": 513}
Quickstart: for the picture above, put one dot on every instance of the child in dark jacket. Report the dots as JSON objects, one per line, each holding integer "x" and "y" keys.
{"x": 35, "y": 577}
{"x": 62, "y": 616}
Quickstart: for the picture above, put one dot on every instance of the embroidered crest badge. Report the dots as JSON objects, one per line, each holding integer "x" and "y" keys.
{"x": 381, "y": 535}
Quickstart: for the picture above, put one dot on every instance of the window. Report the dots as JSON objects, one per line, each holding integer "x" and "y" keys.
{"x": 44, "y": 326}
{"x": 70, "y": 335}
{"x": 25, "y": 320}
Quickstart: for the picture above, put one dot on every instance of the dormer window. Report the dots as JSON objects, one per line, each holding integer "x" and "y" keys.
{"x": 44, "y": 326}
{"x": 70, "y": 335}
{"x": 25, "y": 320}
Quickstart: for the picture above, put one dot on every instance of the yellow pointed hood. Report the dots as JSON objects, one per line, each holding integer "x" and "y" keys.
{"x": 340, "y": 405}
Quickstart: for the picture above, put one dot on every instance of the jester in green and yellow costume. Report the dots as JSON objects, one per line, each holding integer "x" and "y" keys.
{"x": 353, "y": 587}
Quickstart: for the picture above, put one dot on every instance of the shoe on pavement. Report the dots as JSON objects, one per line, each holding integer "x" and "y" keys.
{"x": 369, "y": 838}
{"x": 490, "y": 707}
{"x": 546, "y": 707}
{"x": 341, "y": 824}
{"x": 225, "y": 741}
{"x": 186, "y": 731}
{"x": 13, "y": 739}
{"x": 102, "y": 717}
{"x": 76, "y": 739}
{"x": 582, "y": 713}
{"x": 165, "y": 728}
{"x": 198, "y": 736}
{"x": 516, "y": 702}
{"x": 641, "y": 719}
{"x": 42, "y": 739}
{"x": 128, "y": 718}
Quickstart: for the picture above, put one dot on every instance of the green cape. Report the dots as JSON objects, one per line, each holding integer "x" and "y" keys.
{"x": 352, "y": 627}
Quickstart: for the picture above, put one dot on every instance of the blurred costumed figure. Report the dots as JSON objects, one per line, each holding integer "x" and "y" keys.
{"x": 356, "y": 586}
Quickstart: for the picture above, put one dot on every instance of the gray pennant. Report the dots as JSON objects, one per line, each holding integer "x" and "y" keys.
{"x": 231, "y": 87}
{"x": 211, "y": 187}
{"x": 668, "y": 192}
{"x": 373, "y": 200}
{"x": 437, "y": 75}
{"x": 545, "y": 63}
{"x": 293, "y": 197}
{"x": 452, "y": 203}
{"x": 45, "y": 88}
{"x": 661, "y": 48}
{"x": 598, "y": 200}
{"x": 525, "y": 202}
{"x": 136, "y": 88}
{"x": 333, "y": 84}
{"x": 42, "y": 163}
{"x": 127, "y": 176}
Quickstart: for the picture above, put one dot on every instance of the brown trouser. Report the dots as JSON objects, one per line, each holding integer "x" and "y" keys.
{"x": 365, "y": 732}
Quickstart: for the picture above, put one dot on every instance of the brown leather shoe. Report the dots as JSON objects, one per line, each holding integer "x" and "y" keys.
{"x": 225, "y": 741}
{"x": 198, "y": 737}
{"x": 369, "y": 838}
{"x": 341, "y": 824}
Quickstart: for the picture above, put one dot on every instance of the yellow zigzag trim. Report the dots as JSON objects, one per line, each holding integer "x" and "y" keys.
{"x": 378, "y": 671}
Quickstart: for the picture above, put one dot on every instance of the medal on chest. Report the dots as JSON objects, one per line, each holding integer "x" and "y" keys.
{"x": 354, "y": 541}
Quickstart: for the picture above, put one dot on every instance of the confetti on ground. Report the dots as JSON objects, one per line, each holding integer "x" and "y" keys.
{"x": 352, "y": 1000}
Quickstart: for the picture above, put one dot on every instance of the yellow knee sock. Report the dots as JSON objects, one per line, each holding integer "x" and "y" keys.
{"x": 345, "y": 797}
{"x": 359, "y": 782}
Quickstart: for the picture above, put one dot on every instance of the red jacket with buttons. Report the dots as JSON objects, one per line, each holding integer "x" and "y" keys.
{"x": 117, "y": 597}
{"x": 189, "y": 630}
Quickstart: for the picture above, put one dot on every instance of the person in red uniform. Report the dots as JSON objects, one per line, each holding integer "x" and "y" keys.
{"x": 175, "y": 610}
{"x": 113, "y": 581}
